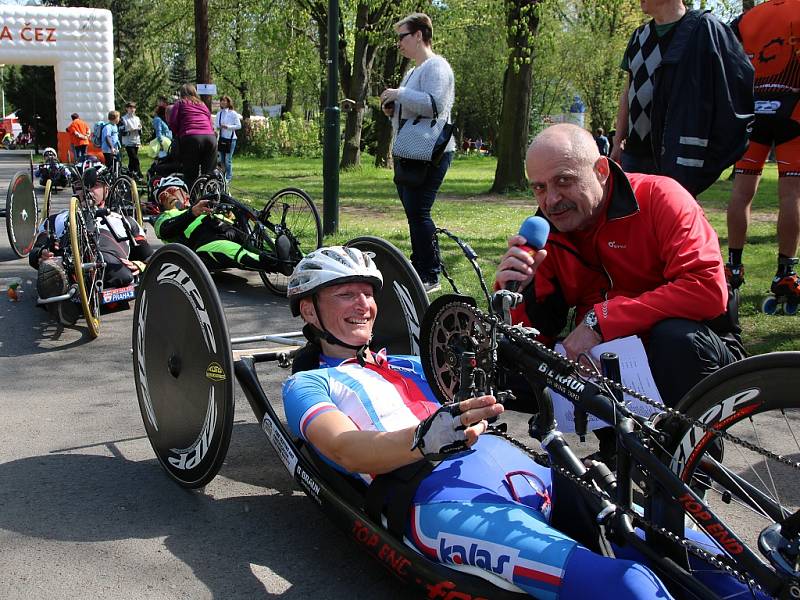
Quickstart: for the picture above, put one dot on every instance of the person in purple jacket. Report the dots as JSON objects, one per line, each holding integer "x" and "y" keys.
{"x": 190, "y": 121}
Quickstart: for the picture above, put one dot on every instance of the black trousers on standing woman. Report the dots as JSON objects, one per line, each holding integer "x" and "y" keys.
{"x": 198, "y": 156}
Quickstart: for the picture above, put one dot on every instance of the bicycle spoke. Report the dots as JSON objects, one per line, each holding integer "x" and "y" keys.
{"x": 776, "y": 495}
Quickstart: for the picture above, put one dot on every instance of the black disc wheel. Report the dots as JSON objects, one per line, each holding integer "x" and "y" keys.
{"x": 123, "y": 198}
{"x": 755, "y": 400}
{"x": 291, "y": 213}
{"x": 85, "y": 264}
{"x": 402, "y": 299}
{"x": 450, "y": 328}
{"x": 21, "y": 214}
{"x": 183, "y": 366}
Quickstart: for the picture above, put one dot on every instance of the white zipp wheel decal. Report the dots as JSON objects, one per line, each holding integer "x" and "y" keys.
{"x": 190, "y": 457}
{"x": 141, "y": 363}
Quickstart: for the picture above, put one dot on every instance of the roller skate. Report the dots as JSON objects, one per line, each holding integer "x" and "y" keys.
{"x": 734, "y": 274}
{"x": 785, "y": 296}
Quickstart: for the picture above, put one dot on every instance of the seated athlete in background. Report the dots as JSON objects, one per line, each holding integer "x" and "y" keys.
{"x": 122, "y": 243}
{"x": 219, "y": 244}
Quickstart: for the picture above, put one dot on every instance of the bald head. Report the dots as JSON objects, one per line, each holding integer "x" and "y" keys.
{"x": 567, "y": 176}
{"x": 570, "y": 141}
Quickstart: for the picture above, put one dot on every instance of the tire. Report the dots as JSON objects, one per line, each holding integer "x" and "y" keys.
{"x": 123, "y": 198}
{"x": 183, "y": 366}
{"x": 84, "y": 250}
{"x": 21, "y": 214}
{"x": 292, "y": 211}
{"x": 754, "y": 399}
{"x": 206, "y": 184}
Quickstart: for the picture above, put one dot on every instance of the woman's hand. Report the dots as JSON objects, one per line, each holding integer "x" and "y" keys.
{"x": 389, "y": 95}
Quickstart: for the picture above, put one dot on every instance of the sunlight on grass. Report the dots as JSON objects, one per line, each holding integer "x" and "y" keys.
{"x": 369, "y": 206}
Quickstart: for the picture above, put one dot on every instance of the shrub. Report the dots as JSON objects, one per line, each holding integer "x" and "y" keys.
{"x": 289, "y": 136}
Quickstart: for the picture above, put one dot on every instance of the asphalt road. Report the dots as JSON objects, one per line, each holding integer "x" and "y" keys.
{"x": 85, "y": 509}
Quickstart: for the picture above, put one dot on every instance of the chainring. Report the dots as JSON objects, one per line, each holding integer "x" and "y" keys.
{"x": 450, "y": 328}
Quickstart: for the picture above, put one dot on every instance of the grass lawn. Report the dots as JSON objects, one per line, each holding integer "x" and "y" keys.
{"x": 369, "y": 206}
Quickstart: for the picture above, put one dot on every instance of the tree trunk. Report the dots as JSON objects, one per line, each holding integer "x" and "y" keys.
{"x": 358, "y": 85}
{"x": 202, "y": 71}
{"x": 383, "y": 125}
{"x": 289, "y": 104}
{"x": 512, "y": 140}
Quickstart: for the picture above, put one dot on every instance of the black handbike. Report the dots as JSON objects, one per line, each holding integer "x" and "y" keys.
{"x": 711, "y": 485}
{"x": 287, "y": 228}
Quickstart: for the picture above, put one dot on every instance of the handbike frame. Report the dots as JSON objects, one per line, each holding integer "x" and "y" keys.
{"x": 631, "y": 451}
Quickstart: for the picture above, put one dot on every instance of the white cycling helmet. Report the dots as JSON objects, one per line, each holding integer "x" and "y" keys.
{"x": 171, "y": 181}
{"x": 50, "y": 153}
{"x": 333, "y": 265}
{"x": 168, "y": 182}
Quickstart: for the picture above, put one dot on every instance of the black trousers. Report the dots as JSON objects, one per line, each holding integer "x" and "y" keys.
{"x": 198, "y": 156}
{"x": 133, "y": 160}
{"x": 682, "y": 353}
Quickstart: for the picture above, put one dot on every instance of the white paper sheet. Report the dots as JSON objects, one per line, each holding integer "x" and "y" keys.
{"x": 635, "y": 374}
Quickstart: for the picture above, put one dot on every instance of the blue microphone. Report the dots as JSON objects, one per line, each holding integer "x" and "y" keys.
{"x": 535, "y": 231}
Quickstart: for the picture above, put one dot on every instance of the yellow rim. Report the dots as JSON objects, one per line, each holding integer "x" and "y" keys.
{"x": 77, "y": 257}
{"x": 48, "y": 190}
{"x": 136, "y": 205}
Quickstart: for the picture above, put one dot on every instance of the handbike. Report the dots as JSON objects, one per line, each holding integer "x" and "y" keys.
{"x": 184, "y": 365}
{"x": 287, "y": 228}
{"x": 123, "y": 193}
{"x": 84, "y": 264}
{"x": 715, "y": 490}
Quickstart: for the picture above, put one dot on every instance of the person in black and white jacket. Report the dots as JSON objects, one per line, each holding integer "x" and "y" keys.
{"x": 431, "y": 77}
{"x": 228, "y": 122}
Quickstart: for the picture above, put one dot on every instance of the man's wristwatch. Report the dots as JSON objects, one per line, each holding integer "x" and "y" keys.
{"x": 590, "y": 320}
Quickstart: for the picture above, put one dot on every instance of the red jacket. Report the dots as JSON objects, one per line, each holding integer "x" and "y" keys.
{"x": 651, "y": 256}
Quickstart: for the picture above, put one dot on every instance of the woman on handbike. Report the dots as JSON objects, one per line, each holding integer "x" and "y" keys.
{"x": 477, "y": 502}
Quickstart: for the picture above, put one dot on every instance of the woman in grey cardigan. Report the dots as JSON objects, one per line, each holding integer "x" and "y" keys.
{"x": 431, "y": 76}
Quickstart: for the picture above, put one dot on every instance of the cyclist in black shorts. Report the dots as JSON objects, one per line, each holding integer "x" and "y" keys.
{"x": 769, "y": 35}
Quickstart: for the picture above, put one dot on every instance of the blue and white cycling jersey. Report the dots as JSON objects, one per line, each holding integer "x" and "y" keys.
{"x": 483, "y": 509}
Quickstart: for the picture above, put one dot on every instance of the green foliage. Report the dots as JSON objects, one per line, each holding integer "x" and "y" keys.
{"x": 369, "y": 206}
{"x": 290, "y": 136}
{"x": 32, "y": 91}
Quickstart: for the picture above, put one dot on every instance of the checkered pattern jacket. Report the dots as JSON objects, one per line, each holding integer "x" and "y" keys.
{"x": 702, "y": 108}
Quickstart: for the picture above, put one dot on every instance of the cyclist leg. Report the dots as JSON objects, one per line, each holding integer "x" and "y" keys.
{"x": 227, "y": 254}
{"x": 788, "y": 157}
{"x": 464, "y": 514}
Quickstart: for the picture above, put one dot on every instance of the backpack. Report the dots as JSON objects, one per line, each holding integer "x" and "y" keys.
{"x": 97, "y": 133}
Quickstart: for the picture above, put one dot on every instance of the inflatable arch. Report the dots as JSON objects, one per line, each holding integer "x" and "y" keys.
{"x": 78, "y": 43}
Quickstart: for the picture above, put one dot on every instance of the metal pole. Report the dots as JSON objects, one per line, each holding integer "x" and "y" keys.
{"x": 330, "y": 151}
{"x": 3, "y": 88}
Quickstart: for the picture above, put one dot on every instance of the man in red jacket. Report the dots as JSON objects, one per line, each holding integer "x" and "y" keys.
{"x": 633, "y": 254}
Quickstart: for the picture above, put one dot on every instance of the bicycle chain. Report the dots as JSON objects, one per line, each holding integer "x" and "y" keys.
{"x": 520, "y": 337}
{"x": 641, "y": 521}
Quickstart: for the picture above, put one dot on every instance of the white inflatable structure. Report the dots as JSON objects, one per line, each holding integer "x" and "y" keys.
{"x": 78, "y": 43}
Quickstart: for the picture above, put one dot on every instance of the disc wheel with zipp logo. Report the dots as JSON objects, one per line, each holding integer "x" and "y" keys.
{"x": 183, "y": 366}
